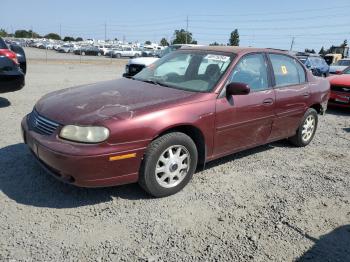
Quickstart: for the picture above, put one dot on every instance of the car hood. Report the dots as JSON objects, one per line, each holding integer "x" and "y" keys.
{"x": 341, "y": 80}
{"x": 143, "y": 61}
{"x": 118, "y": 99}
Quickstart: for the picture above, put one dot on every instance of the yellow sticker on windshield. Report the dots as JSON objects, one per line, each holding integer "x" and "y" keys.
{"x": 284, "y": 70}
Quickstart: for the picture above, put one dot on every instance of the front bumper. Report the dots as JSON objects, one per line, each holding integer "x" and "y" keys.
{"x": 75, "y": 163}
{"x": 340, "y": 99}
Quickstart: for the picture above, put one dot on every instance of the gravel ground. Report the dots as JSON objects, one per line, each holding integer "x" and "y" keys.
{"x": 272, "y": 203}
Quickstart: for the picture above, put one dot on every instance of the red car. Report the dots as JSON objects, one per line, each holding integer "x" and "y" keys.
{"x": 190, "y": 107}
{"x": 340, "y": 89}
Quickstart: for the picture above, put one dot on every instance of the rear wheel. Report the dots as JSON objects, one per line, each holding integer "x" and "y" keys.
{"x": 169, "y": 164}
{"x": 307, "y": 129}
{"x": 82, "y": 53}
{"x": 118, "y": 55}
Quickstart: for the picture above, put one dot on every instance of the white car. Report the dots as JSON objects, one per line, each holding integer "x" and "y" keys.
{"x": 127, "y": 52}
{"x": 339, "y": 66}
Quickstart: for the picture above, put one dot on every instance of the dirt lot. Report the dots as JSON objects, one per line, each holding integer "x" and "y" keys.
{"x": 272, "y": 203}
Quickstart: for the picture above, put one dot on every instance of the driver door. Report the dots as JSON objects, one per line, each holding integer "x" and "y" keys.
{"x": 243, "y": 121}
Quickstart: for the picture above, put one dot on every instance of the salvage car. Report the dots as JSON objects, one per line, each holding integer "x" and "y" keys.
{"x": 11, "y": 75}
{"x": 340, "y": 89}
{"x": 90, "y": 50}
{"x": 21, "y": 56}
{"x": 158, "y": 127}
{"x": 315, "y": 63}
{"x": 126, "y": 52}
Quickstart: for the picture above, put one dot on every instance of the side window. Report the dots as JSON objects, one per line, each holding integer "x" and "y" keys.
{"x": 287, "y": 70}
{"x": 251, "y": 70}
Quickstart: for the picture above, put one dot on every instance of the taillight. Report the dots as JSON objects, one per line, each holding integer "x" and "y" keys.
{"x": 338, "y": 72}
{"x": 8, "y": 53}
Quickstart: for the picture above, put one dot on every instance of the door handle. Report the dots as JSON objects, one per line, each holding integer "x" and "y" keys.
{"x": 306, "y": 94}
{"x": 268, "y": 101}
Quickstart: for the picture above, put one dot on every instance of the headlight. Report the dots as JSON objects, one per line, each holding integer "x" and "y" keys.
{"x": 127, "y": 69}
{"x": 88, "y": 134}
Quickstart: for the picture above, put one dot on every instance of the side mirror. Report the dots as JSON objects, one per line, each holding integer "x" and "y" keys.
{"x": 235, "y": 88}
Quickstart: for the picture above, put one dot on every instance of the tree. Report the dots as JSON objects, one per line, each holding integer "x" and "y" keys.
{"x": 214, "y": 44}
{"x": 79, "y": 39}
{"x": 68, "y": 39}
{"x": 3, "y": 33}
{"x": 53, "y": 36}
{"x": 26, "y": 34}
{"x": 234, "y": 38}
{"x": 322, "y": 51}
{"x": 164, "y": 42}
{"x": 344, "y": 44}
{"x": 312, "y": 51}
{"x": 183, "y": 37}
{"x": 148, "y": 42}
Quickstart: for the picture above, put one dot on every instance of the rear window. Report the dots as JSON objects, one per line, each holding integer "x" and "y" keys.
{"x": 3, "y": 44}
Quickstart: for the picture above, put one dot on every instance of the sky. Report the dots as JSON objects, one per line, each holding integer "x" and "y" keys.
{"x": 261, "y": 23}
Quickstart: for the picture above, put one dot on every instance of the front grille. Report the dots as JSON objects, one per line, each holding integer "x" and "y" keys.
{"x": 41, "y": 124}
{"x": 343, "y": 89}
{"x": 134, "y": 69}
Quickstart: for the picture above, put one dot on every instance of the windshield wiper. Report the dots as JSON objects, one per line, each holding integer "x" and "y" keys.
{"x": 153, "y": 82}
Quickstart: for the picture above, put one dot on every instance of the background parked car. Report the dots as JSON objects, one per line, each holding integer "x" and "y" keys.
{"x": 92, "y": 50}
{"x": 315, "y": 63}
{"x": 127, "y": 52}
{"x": 340, "y": 89}
{"x": 339, "y": 66}
{"x": 11, "y": 75}
{"x": 66, "y": 48}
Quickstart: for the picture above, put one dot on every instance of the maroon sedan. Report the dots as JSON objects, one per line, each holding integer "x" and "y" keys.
{"x": 190, "y": 107}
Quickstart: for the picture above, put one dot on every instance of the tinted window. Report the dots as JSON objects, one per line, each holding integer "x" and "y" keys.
{"x": 251, "y": 70}
{"x": 287, "y": 70}
{"x": 2, "y": 44}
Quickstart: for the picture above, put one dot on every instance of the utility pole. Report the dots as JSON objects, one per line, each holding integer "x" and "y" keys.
{"x": 105, "y": 32}
{"x": 31, "y": 29}
{"x": 292, "y": 44}
{"x": 60, "y": 31}
{"x": 186, "y": 28}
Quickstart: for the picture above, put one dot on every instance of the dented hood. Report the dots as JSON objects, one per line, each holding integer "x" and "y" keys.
{"x": 119, "y": 99}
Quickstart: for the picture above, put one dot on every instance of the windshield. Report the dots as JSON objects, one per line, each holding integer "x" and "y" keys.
{"x": 188, "y": 70}
{"x": 343, "y": 63}
{"x": 347, "y": 71}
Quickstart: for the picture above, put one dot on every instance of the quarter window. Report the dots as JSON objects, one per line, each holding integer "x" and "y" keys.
{"x": 287, "y": 70}
{"x": 251, "y": 70}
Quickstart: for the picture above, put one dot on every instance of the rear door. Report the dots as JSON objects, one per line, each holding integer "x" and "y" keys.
{"x": 243, "y": 121}
{"x": 292, "y": 94}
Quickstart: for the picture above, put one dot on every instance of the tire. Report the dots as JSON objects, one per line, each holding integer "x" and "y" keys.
{"x": 118, "y": 56}
{"x": 98, "y": 54}
{"x": 306, "y": 131}
{"x": 177, "y": 171}
{"x": 82, "y": 53}
{"x": 136, "y": 55}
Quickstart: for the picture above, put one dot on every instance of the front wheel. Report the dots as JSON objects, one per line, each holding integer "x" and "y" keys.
{"x": 168, "y": 165}
{"x": 307, "y": 129}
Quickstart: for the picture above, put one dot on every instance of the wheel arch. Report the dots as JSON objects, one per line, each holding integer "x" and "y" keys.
{"x": 194, "y": 133}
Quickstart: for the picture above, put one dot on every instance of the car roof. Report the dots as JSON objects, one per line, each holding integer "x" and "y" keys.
{"x": 233, "y": 49}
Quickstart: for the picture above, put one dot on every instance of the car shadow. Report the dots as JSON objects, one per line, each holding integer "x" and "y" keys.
{"x": 24, "y": 181}
{"x": 338, "y": 111}
{"x": 334, "y": 246}
{"x": 4, "y": 102}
